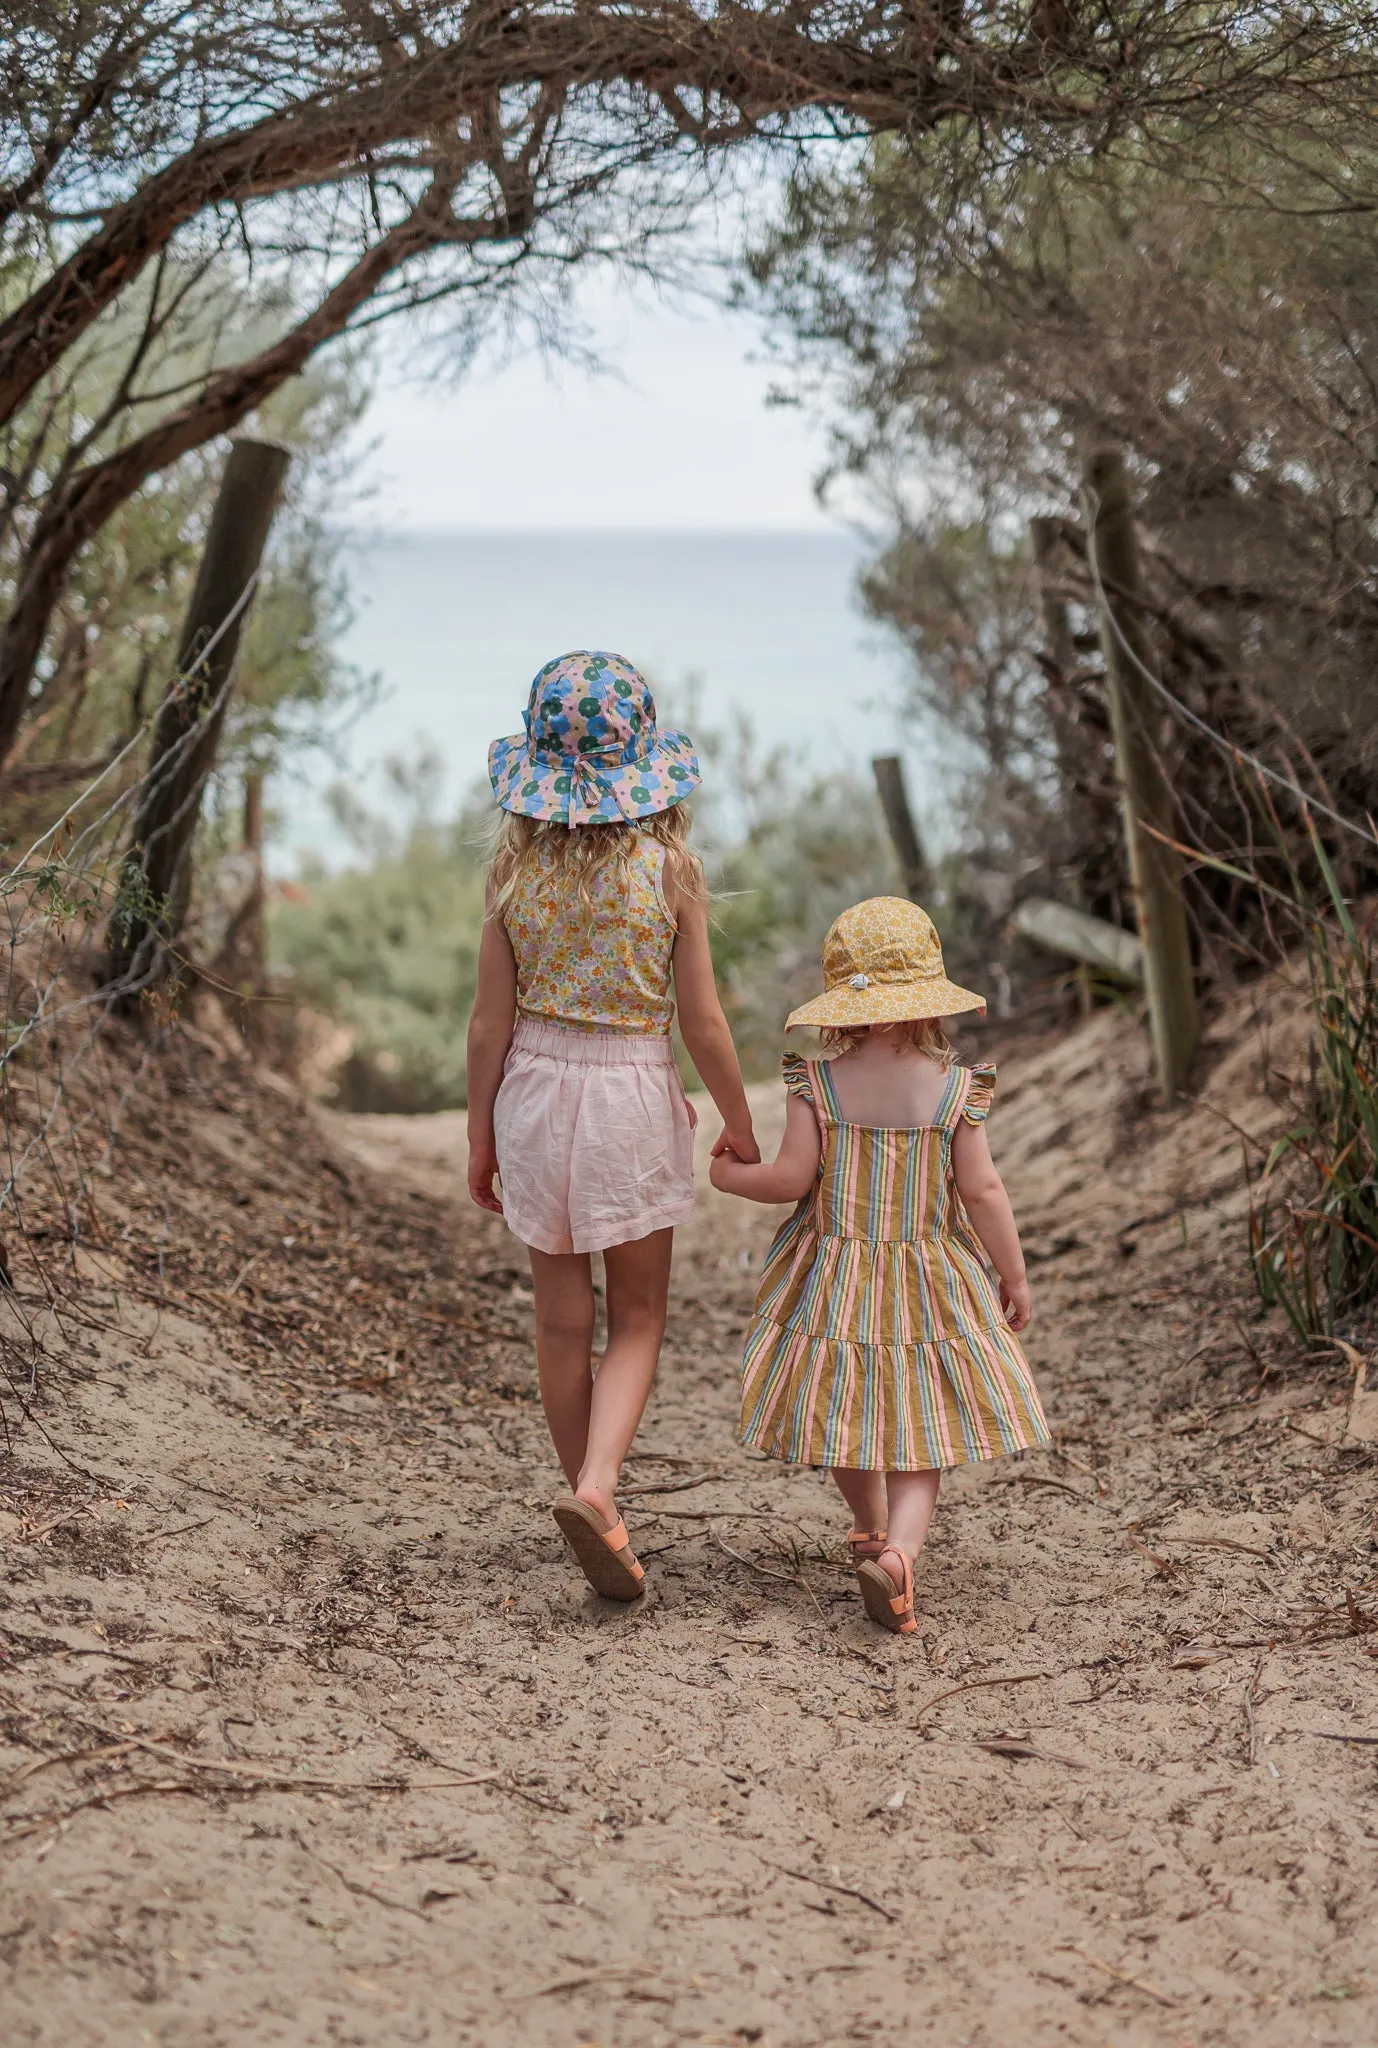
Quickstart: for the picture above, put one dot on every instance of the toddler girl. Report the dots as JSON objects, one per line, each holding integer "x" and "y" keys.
{"x": 595, "y": 904}
{"x": 879, "y": 1347}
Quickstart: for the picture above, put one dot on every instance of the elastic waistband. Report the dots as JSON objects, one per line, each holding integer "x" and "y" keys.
{"x": 580, "y": 1048}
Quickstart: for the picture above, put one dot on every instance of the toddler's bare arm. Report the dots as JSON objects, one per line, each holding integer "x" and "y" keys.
{"x": 987, "y": 1204}
{"x": 790, "y": 1174}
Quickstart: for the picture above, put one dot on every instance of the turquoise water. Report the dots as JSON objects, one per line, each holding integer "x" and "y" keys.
{"x": 456, "y": 624}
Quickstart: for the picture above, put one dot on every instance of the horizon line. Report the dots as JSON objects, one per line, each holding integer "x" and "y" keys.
{"x": 597, "y": 532}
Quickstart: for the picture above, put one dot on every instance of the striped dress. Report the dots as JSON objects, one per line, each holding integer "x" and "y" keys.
{"x": 878, "y": 1341}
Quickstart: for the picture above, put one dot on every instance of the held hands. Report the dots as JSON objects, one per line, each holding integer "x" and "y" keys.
{"x": 738, "y": 1143}
{"x": 734, "y": 1149}
{"x": 483, "y": 1165}
{"x": 1017, "y": 1302}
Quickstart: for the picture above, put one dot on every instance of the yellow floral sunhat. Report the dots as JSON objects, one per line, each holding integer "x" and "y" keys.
{"x": 883, "y": 964}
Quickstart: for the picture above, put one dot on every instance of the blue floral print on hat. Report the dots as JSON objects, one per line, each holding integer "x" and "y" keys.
{"x": 592, "y": 753}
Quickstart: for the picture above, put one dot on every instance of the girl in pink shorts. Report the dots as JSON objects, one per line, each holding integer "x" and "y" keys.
{"x": 596, "y": 907}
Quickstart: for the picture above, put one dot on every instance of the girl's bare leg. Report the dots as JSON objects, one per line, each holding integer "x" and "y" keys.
{"x": 637, "y": 1280}
{"x": 912, "y": 1497}
{"x": 864, "y": 1493}
{"x": 563, "y": 1284}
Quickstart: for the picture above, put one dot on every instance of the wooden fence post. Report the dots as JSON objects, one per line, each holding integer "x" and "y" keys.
{"x": 155, "y": 886}
{"x": 1136, "y": 720}
{"x": 904, "y": 835}
{"x": 1046, "y": 535}
{"x": 251, "y": 927}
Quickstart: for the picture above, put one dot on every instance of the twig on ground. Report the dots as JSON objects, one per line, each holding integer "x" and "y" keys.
{"x": 608, "y": 1975}
{"x": 800, "y": 1580}
{"x": 351, "y": 1884}
{"x": 1165, "y": 1567}
{"x": 790, "y": 1578}
{"x": 182, "y": 1529}
{"x": 749, "y": 1562}
{"x": 1068, "y": 1948}
{"x": 59, "y": 1522}
{"x": 668, "y": 1485}
{"x": 282, "y": 1781}
{"x": 1218, "y": 1543}
{"x": 1161, "y": 1512}
{"x": 56, "y": 1817}
{"x": 418, "y": 1748}
{"x": 975, "y": 1685}
{"x": 34, "y": 1646}
{"x": 1039, "y": 1479}
{"x": 846, "y": 1891}
{"x": 1250, "y": 1720}
{"x": 713, "y": 1514}
{"x": 1025, "y": 1751}
{"x": 68, "y": 1756}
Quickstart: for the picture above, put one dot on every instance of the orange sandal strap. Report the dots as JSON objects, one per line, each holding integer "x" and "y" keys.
{"x": 865, "y": 1544}
{"x": 619, "y": 1541}
{"x": 903, "y": 1604}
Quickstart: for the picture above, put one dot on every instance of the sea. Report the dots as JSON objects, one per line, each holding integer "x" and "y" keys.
{"x": 451, "y": 627}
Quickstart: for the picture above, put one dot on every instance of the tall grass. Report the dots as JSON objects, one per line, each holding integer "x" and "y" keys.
{"x": 1313, "y": 1215}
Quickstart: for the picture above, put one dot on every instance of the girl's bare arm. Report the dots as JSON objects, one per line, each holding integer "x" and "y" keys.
{"x": 490, "y": 1034}
{"x": 986, "y": 1203}
{"x": 791, "y": 1173}
{"x": 707, "y": 1039}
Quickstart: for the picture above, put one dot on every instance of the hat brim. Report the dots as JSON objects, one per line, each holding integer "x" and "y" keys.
{"x": 584, "y": 792}
{"x": 885, "y": 1002}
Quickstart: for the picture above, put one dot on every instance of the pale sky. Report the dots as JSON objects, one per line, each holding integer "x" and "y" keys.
{"x": 676, "y": 437}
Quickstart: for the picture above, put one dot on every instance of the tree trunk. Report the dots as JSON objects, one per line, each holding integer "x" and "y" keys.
{"x": 904, "y": 834}
{"x": 79, "y": 509}
{"x": 155, "y": 885}
{"x": 1136, "y": 718}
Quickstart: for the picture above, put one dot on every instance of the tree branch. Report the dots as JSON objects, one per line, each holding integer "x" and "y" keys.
{"x": 77, "y": 510}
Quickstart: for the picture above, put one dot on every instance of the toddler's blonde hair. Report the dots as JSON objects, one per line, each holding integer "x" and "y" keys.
{"x": 923, "y": 1034}
{"x": 579, "y": 853}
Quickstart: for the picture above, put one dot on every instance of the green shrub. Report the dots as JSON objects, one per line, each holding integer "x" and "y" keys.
{"x": 389, "y": 948}
{"x": 1313, "y": 1221}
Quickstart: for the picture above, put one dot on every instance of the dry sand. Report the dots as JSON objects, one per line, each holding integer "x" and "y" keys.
{"x": 311, "y": 1735}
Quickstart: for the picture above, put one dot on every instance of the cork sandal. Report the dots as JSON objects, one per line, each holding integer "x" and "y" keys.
{"x": 602, "y": 1549}
{"x": 894, "y": 1611}
{"x": 868, "y": 1543}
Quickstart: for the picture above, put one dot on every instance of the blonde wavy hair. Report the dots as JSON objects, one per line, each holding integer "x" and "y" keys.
{"x": 921, "y": 1034}
{"x": 576, "y": 855}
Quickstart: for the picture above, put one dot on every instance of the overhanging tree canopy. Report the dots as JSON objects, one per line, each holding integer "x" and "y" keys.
{"x": 374, "y": 149}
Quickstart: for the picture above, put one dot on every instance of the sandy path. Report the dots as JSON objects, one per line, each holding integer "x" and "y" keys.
{"x": 1086, "y": 1806}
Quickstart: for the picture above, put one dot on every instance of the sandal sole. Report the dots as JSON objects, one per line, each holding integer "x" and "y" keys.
{"x": 580, "y": 1525}
{"x": 877, "y": 1591}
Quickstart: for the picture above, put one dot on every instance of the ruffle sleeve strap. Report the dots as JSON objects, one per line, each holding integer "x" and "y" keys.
{"x": 799, "y": 1081}
{"x": 795, "y": 1071}
{"x": 980, "y": 1093}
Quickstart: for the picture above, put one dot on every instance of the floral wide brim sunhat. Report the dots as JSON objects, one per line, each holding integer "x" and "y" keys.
{"x": 883, "y": 964}
{"x": 592, "y": 752}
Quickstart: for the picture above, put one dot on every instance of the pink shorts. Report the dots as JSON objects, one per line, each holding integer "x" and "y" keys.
{"x": 595, "y": 1137}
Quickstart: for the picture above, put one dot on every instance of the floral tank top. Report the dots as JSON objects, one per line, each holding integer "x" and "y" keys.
{"x": 603, "y": 964}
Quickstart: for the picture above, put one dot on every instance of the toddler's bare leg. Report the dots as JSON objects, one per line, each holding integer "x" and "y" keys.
{"x": 638, "y": 1287}
{"x": 864, "y": 1493}
{"x": 563, "y": 1284}
{"x": 912, "y": 1497}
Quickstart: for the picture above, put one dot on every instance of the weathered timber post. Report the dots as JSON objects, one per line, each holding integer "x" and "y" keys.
{"x": 1136, "y": 721}
{"x": 155, "y": 886}
{"x": 251, "y": 925}
{"x": 1046, "y": 535}
{"x": 904, "y": 834}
